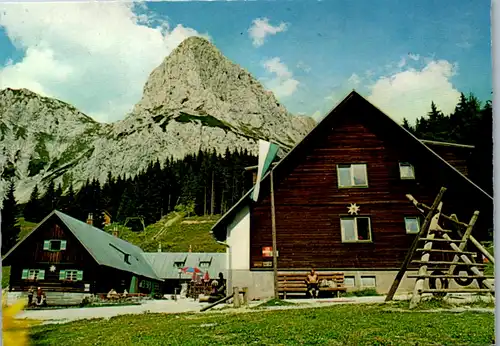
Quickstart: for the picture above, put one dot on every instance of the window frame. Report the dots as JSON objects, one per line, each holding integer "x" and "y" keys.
{"x": 62, "y": 246}
{"x": 418, "y": 223}
{"x": 374, "y": 277}
{"x": 354, "y": 217}
{"x": 32, "y": 274}
{"x": 78, "y": 275}
{"x": 343, "y": 165}
{"x": 405, "y": 163}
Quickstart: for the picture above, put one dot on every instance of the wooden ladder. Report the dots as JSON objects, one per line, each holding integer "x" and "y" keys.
{"x": 431, "y": 233}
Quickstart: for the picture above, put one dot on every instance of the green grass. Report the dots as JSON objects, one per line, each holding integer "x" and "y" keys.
{"x": 275, "y": 302}
{"x": 338, "y": 325}
{"x": 5, "y": 276}
{"x": 177, "y": 237}
{"x": 26, "y": 227}
{"x": 367, "y": 292}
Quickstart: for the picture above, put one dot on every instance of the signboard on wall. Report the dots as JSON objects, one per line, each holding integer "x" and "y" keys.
{"x": 267, "y": 252}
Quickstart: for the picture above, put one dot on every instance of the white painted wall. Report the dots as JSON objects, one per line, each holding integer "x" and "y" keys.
{"x": 238, "y": 252}
{"x": 238, "y": 238}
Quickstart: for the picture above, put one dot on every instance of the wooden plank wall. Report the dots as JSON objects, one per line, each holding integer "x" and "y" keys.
{"x": 31, "y": 255}
{"x": 309, "y": 202}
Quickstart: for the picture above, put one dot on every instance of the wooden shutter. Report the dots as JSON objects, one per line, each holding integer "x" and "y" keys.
{"x": 62, "y": 274}
{"x": 79, "y": 275}
{"x": 24, "y": 275}
{"x": 63, "y": 244}
{"x": 46, "y": 245}
{"x": 41, "y": 274}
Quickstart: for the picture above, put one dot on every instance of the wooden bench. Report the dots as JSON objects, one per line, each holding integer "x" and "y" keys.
{"x": 296, "y": 282}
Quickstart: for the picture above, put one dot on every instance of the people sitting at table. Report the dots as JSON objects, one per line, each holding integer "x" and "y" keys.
{"x": 112, "y": 294}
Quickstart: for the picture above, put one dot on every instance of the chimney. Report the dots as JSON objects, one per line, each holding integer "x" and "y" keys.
{"x": 159, "y": 247}
{"x": 189, "y": 248}
{"x": 90, "y": 219}
{"x": 115, "y": 232}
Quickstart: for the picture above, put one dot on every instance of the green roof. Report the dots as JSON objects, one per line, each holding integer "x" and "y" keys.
{"x": 105, "y": 248}
{"x": 165, "y": 263}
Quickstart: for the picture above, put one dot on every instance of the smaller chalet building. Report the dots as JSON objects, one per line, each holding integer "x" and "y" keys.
{"x": 341, "y": 205}
{"x": 167, "y": 266}
{"x": 73, "y": 259}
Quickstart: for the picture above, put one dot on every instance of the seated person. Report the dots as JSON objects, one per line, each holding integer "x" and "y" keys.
{"x": 312, "y": 283}
{"x": 218, "y": 292}
{"x": 112, "y": 294}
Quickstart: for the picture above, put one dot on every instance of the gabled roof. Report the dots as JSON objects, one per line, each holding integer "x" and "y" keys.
{"x": 219, "y": 229}
{"x": 163, "y": 263}
{"x": 105, "y": 248}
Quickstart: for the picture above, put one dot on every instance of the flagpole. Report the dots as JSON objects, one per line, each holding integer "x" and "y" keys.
{"x": 273, "y": 222}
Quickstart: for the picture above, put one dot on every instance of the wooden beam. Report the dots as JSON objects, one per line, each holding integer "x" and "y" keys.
{"x": 454, "y": 263}
{"x": 423, "y": 208}
{"x": 419, "y": 284}
{"x": 473, "y": 269}
{"x": 458, "y": 290}
{"x": 411, "y": 251}
{"x": 446, "y": 240}
{"x": 465, "y": 237}
{"x": 216, "y": 303}
{"x": 273, "y": 222}
{"x": 446, "y": 251}
{"x": 481, "y": 248}
{"x": 452, "y": 276}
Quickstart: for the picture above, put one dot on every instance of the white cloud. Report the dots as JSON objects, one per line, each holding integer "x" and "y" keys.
{"x": 303, "y": 66}
{"x": 261, "y": 28}
{"x": 283, "y": 84}
{"x": 96, "y": 56}
{"x": 354, "y": 80}
{"x": 408, "y": 94}
{"x": 414, "y": 57}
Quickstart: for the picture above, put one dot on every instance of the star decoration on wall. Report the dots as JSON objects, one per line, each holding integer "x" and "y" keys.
{"x": 52, "y": 268}
{"x": 353, "y": 209}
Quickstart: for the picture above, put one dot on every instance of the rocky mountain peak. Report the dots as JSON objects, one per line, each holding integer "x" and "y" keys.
{"x": 198, "y": 80}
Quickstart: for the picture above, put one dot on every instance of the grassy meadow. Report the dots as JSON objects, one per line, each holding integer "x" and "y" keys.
{"x": 339, "y": 325}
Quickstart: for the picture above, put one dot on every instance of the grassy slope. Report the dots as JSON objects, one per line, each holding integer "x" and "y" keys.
{"x": 180, "y": 233}
{"x": 338, "y": 325}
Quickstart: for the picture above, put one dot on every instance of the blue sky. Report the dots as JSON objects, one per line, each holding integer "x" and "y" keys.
{"x": 401, "y": 55}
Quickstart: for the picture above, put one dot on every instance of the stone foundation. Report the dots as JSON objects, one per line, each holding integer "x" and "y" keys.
{"x": 261, "y": 283}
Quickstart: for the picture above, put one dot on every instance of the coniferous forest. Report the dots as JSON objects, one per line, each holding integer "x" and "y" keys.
{"x": 201, "y": 184}
{"x": 208, "y": 183}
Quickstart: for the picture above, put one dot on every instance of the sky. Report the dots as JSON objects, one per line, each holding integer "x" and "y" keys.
{"x": 400, "y": 55}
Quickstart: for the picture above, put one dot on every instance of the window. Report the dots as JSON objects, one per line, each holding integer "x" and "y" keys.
{"x": 356, "y": 229}
{"x": 349, "y": 281}
{"x": 412, "y": 224}
{"x": 54, "y": 245}
{"x": 178, "y": 264}
{"x": 406, "y": 171}
{"x": 352, "y": 175}
{"x": 204, "y": 264}
{"x": 71, "y": 275}
{"x": 33, "y": 274}
{"x": 368, "y": 281}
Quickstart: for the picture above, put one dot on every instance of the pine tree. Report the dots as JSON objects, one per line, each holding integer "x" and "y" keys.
{"x": 48, "y": 200}
{"x": 10, "y": 228}
{"x": 33, "y": 207}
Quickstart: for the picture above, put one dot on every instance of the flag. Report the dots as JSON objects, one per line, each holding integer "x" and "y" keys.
{"x": 267, "y": 153}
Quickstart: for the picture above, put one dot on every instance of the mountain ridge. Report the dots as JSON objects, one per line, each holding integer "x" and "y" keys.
{"x": 196, "y": 99}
